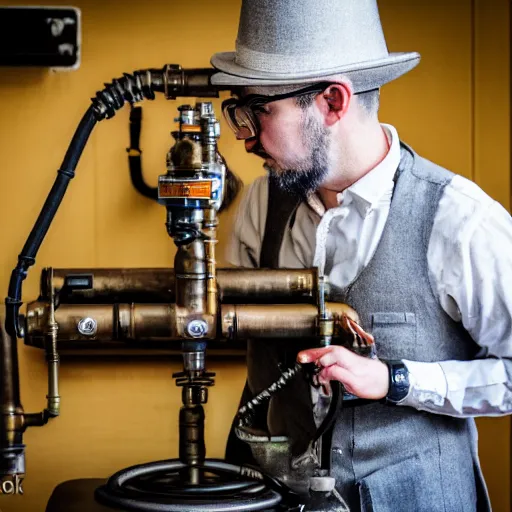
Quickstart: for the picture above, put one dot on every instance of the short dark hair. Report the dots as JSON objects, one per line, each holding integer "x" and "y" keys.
{"x": 369, "y": 100}
{"x": 305, "y": 100}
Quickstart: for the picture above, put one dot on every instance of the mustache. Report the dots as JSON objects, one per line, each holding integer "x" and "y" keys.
{"x": 258, "y": 150}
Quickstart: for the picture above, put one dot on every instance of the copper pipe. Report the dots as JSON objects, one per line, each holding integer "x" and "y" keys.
{"x": 158, "y": 284}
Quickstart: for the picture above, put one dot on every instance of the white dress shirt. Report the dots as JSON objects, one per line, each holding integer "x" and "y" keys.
{"x": 469, "y": 259}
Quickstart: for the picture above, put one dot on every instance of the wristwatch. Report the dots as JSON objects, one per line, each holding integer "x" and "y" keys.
{"x": 399, "y": 384}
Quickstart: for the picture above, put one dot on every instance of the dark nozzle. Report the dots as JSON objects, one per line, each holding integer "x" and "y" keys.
{"x": 188, "y": 82}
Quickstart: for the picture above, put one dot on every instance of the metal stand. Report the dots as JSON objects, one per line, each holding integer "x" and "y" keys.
{"x": 192, "y": 482}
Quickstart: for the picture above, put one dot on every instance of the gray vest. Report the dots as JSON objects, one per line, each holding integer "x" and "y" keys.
{"x": 392, "y": 458}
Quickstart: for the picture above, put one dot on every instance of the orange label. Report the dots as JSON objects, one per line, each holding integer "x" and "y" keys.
{"x": 192, "y": 189}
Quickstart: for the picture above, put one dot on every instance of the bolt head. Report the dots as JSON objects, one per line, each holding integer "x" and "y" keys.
{"x": 197, "y": 328}
{"x": 87, "y": 326}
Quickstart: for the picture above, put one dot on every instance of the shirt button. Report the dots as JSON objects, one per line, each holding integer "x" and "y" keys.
{"x": 337, "y": 451}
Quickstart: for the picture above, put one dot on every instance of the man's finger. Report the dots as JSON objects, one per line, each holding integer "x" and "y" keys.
{"x": 338, "y": 373}
{"x": 332, "y": 357}
{"x": 329, "y": 358}
{"x": 312, "y": 354}
{"x": 333, "y": 354}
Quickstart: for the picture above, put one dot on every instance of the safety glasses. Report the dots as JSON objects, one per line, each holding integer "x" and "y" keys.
{"x": 242, "y": 114}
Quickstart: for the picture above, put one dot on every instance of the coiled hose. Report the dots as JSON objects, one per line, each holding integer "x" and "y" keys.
{"x": 250, "y": 491}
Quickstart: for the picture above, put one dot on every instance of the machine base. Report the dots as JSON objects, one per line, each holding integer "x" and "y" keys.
{"x": 77, "y": 496}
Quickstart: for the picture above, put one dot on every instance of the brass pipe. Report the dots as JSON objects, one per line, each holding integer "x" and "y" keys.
{"x": 12, "y": 425}
{"x": 325, "y": 322}
{"x": 148, "y": 323}
{"x": 211, "y": 268}
{"x": 279, "y": 321}
{"x": 270, "y": 286}
{"x": 211, "y": 280}
{"x": 52, "y": 360}
{"x": 157, "y": 285}
{"x": 102, "y": 322}
{"x": 110, "y": 285}
{"x": 190, "y": 277}
{"x": 14, "y": 420}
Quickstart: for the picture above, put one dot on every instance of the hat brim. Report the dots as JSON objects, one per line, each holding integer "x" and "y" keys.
{"x": 364, "y": 76}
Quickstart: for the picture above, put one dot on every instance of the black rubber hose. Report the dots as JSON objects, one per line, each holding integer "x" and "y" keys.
{"x": 135, "y": 156}
{"x": 27, "y": 256}
{"x": 114, "y": 493}
{"x": 245, "y": 412}
{"x": 129, "y": 88}
{"x": 65, "y": 174}
{"x": 138, "y": 179}
{"x": 332, "y": 412}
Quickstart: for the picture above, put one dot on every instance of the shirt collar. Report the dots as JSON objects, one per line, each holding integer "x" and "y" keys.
{"x": 366, "y": 192}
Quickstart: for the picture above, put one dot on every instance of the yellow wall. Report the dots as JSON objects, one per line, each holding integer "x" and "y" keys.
{"x": 454, "y": 109}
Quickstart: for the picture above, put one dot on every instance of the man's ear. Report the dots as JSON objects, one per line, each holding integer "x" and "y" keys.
{"x": 334, "y": 102}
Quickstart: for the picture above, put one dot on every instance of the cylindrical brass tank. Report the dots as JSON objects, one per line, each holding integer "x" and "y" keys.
{"x": 157, "y": 285}
{"x": 157, "y": 322}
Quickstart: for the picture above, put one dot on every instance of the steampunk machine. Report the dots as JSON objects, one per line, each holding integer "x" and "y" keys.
{"x": 190, "y": 307}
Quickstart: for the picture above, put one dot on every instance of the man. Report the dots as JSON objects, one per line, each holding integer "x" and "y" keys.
{"x": 421, "y": 254}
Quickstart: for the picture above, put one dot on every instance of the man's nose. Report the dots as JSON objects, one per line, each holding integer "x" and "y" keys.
{"x": 250, "y": 144}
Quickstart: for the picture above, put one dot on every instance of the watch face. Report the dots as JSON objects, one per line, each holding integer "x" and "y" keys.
{"x": 399, "y": 381}
{"x": 401, "y": 377}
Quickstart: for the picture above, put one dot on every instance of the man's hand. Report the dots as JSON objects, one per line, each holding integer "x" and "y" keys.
{"x": 361, "y": 376}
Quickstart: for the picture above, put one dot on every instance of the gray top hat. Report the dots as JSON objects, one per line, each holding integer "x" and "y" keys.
{"x": 299, "y": 41}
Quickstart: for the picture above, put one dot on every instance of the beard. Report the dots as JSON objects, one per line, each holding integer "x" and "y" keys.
{"x": 307, "y": 175}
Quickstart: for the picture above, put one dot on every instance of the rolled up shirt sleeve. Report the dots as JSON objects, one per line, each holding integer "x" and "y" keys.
{"x": 470, "y": 259}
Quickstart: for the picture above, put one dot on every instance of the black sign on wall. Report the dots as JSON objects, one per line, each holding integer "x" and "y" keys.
{"x": 40, "y": 36}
